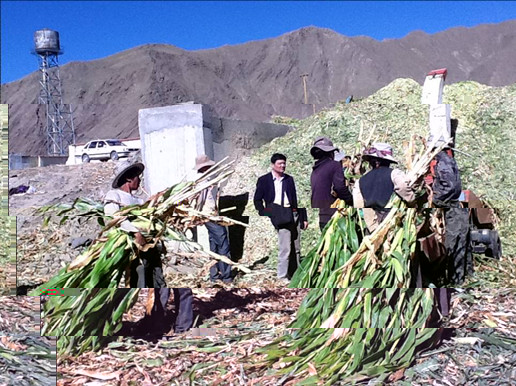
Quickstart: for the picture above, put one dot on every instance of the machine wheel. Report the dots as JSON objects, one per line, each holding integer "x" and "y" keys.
{"x": 495, "y": 246}
{"x": 85, "y": 158}
{"x": 113, "y": 155}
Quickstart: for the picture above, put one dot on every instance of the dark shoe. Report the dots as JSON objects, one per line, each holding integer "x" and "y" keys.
{"x": 153, "y": 324}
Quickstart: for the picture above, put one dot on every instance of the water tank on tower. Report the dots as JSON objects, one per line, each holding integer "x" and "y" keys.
{"x": 60, "y": 132}
{"x": 46, "y": 41}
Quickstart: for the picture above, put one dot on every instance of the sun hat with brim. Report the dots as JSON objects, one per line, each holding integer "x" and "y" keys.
{"x": 324, "y": 144}
{"x": 202, "y": 161}
{"x": 124, "y": 171}
{"x": 380, "y": 150}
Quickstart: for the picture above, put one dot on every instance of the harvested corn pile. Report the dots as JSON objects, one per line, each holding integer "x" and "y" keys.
{"x": 486, "y": 115}
{"x": 87, "y": 321}
{"x": 26, "y": 358}
{"x": 248, "y": 319}
{"x": 19, "y": 315}
{"x": 91, "y": 320}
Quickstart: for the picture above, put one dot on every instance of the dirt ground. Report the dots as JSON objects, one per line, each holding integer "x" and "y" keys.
{"x": 234, "y": 324}
{"x": 26, "y": 358}
{"x": 40, "y": 250}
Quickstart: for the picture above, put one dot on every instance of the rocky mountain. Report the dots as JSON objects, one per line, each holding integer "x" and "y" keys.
{"x": 255, "y": 80}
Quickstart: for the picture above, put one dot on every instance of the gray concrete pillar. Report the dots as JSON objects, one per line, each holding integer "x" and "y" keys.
{"x": 171, "y": 137}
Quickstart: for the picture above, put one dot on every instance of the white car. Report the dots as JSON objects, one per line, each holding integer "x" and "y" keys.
{"x": 105, "y": 149}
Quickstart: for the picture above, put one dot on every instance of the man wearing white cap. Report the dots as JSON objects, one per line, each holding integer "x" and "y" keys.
{"x": 374, "y": 190}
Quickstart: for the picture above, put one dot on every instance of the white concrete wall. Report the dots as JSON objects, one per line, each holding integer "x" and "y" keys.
{"x": 172, "y": 137}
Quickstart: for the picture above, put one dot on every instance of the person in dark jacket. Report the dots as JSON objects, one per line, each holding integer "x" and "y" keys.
{"x": 374, "y": 189}
{"x": 327, "y": 178}
{"x": 275, "y": 192}
{"x": 446, "y": 186}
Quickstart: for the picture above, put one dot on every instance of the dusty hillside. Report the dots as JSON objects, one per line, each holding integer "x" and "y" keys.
{"x": 255, "y": 80}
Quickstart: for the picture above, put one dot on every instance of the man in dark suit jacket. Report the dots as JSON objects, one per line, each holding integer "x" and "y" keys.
{"x": 273, "y": 191}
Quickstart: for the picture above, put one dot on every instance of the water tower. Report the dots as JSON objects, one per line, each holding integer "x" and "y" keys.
{"x": 60, "y": 132}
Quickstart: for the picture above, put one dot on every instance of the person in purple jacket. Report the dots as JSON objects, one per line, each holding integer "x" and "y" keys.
{"x": 327, "y": 177}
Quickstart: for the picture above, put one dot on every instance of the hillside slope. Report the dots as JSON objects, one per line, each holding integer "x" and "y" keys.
{"x": 255, "y": 80}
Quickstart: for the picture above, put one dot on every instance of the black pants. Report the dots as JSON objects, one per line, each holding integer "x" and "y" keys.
{"x": 219, "y": 243}
{"x": 443, "y": 299}
{"x": 183, "y": 299}
{"x": 460, "y": 258}
{"x": 148, "y": 273}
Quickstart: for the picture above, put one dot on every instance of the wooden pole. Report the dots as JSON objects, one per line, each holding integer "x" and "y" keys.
{"x": 304, "y": 76}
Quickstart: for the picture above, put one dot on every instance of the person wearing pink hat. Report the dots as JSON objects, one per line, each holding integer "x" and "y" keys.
{"x": 374, "y": 190}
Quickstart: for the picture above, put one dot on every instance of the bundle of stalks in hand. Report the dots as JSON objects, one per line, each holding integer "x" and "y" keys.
{"x": 87, "y": 321}
{"x": 164, "y": 217}
{"x": 365, "y": 307}
{"x": 345, "y": 256}
{"x": 360, "y": 319}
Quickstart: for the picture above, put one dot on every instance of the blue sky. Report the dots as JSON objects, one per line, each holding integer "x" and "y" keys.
{"x": 96, "y": 29}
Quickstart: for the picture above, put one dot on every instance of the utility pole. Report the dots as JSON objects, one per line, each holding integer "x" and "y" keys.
{"x": 304, "y": 76}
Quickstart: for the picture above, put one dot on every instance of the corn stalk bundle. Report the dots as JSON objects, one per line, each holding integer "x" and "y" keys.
{"x": 333, "y": 250}
{"x": 351, "y": 334}
{"x": 86, "y": 321}
{"x": 328, "y": 355}
{"x": 381, "y": 259}
{"x": 164, "y": 217}
{"x": 366, "y": 307}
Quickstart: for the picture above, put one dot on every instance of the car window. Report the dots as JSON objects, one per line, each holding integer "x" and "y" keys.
{"x": 92, "y": 145}
{"x": 115, "y": 143}
{"x": 101, "y": 144}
